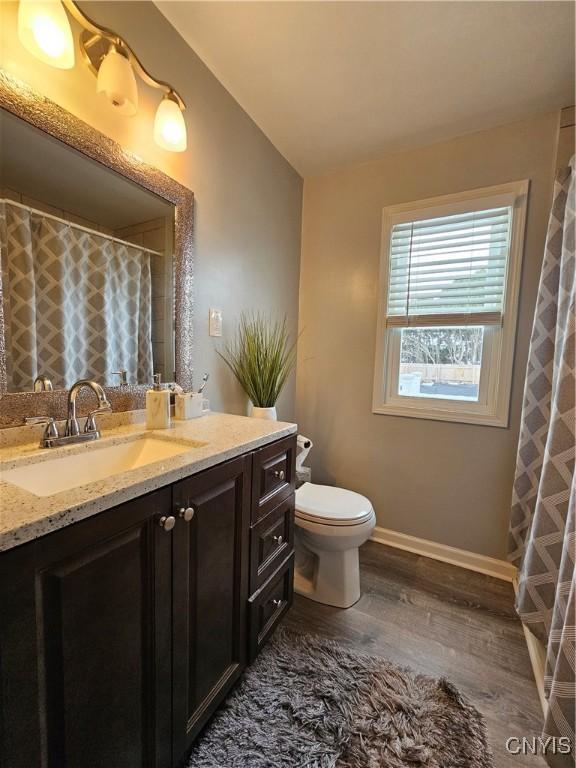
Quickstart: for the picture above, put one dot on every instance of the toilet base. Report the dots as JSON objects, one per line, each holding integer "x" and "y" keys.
{"x": 331, "y": 578}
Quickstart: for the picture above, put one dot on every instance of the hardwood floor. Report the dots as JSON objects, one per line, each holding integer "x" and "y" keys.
{"x": 441, "y": 620}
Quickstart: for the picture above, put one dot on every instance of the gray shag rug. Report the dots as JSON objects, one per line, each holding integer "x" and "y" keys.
{"x": 308, "y": 702}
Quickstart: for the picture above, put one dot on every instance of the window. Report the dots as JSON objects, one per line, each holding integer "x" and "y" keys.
{"x": 450, "y": 275}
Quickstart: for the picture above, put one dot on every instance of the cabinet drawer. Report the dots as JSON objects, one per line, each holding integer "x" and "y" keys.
{"x": 269, "y": 605}
{"x": 273, "y": 475}
{"x": 271, "y": 541}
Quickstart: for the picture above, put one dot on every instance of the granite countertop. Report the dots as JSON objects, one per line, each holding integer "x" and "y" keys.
{"x": 211, "y": 439}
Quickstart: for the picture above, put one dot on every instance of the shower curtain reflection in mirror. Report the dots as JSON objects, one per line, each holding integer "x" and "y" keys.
{"x": 77, "y": 304}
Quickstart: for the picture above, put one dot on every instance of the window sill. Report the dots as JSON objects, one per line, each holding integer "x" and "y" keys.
{"x": 439, "y": 414}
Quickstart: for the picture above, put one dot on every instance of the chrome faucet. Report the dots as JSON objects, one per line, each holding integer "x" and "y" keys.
{"x": 42, "y": 384}
{"x": 123, "y": 374}
{"x": 72, "y": 426}
{"x": 52, "y": 438}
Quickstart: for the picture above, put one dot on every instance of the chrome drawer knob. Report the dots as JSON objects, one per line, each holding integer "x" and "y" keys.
{"x": 167, "y": 522}
{"x": 276, "y": 603}
{"x": 186, "y": 513}
{"x": 280, "y": 474}
{"x": 278, "y": 539}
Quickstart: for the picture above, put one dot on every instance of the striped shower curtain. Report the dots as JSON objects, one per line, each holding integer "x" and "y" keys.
{"x": 542, "y": 540}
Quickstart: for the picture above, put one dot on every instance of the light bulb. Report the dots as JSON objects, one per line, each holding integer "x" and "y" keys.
{"x": 44, "y": 30}
{"x": 117, "y": 82}
{"x": 169, "y": 126}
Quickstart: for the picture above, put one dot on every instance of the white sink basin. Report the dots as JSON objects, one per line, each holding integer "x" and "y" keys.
{"x": 63, "y": 473}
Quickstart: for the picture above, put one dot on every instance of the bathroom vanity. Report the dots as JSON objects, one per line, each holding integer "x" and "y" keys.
{"x": 122, "y": 632}
{"x": 140, "y": 571}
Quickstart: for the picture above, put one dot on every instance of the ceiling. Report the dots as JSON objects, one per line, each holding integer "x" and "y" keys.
{"x": 332, "y": 83}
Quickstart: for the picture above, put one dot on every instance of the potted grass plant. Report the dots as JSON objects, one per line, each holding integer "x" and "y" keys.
{"x": 261, "y": 357}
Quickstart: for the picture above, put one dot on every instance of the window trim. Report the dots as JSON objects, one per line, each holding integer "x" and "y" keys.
{"x": 493, "y": 409}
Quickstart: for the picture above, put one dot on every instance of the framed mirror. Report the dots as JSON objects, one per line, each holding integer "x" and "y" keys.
{"x": 96, "y": 263}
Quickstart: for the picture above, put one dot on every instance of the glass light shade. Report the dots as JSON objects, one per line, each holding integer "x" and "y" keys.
{"x": 169, "y": 126}
{"x": 44, "y": 30}
{"x": 116, "y": 80}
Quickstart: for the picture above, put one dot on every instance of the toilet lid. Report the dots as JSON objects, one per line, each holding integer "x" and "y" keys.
{"x": 331, "y": 506}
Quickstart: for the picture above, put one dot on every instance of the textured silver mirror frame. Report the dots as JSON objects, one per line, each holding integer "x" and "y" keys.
{"x": 21, "y": 100}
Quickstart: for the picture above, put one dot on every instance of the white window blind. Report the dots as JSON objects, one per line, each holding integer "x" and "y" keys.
{"x": 449, "y": 270}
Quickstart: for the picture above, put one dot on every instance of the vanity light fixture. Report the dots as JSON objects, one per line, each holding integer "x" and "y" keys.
{"x": 169, "y": 125}
{"x": 116, "y": 80}
{"x": 44, "y": 30}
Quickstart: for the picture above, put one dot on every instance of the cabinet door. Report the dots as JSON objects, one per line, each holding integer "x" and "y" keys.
{"x": 85, "y": 643}
{"x": 210, "y": 594}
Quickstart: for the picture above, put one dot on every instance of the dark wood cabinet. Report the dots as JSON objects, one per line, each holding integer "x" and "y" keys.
{"x": 273, "y": 476}
{"x": 210, "y": 594}
{"x": 271, "y": 542}
{"x": 85, "y": 643}
{"x": 268, "y": 606}
{"x": 120, "y": 635}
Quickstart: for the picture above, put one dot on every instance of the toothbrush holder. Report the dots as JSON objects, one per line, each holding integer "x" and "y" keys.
{"x": 190, "y": 405}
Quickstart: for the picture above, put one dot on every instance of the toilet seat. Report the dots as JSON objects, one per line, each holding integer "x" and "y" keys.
{"x": 331, "y": 506}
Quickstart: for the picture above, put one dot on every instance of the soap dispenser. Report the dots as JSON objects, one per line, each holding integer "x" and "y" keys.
{"x": 157, "y": 405}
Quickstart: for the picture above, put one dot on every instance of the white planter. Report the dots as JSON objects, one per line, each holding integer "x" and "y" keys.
{"x": 262, "y": 413}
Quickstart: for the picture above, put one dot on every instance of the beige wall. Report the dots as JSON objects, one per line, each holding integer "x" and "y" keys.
{"x": 442, "y": 481}
{"x": 248, "y": 198}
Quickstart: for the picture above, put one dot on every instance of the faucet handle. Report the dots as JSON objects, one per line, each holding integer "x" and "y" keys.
{"x": 90, "y": 425}
{"x": 51, "y": 428}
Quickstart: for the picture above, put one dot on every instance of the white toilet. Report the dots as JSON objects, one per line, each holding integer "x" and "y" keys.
{"x": 331, "y": 524}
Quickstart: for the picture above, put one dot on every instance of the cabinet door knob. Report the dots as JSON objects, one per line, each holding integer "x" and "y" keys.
{"x": 280, "y": 474}
{"x": 278, "y": 539}
{"x": 167, "y": 522}
{"x": 186, "y": 513}
{"x": 276, "y": 603}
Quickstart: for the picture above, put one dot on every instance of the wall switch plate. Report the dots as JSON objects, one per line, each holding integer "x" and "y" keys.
{"x": 215, "y": 322}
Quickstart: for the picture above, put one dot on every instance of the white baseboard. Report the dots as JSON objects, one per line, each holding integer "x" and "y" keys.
{"x": 538, "y": 660}
{"x": 490, "y": 566}
{"x": 537, "y": 654}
